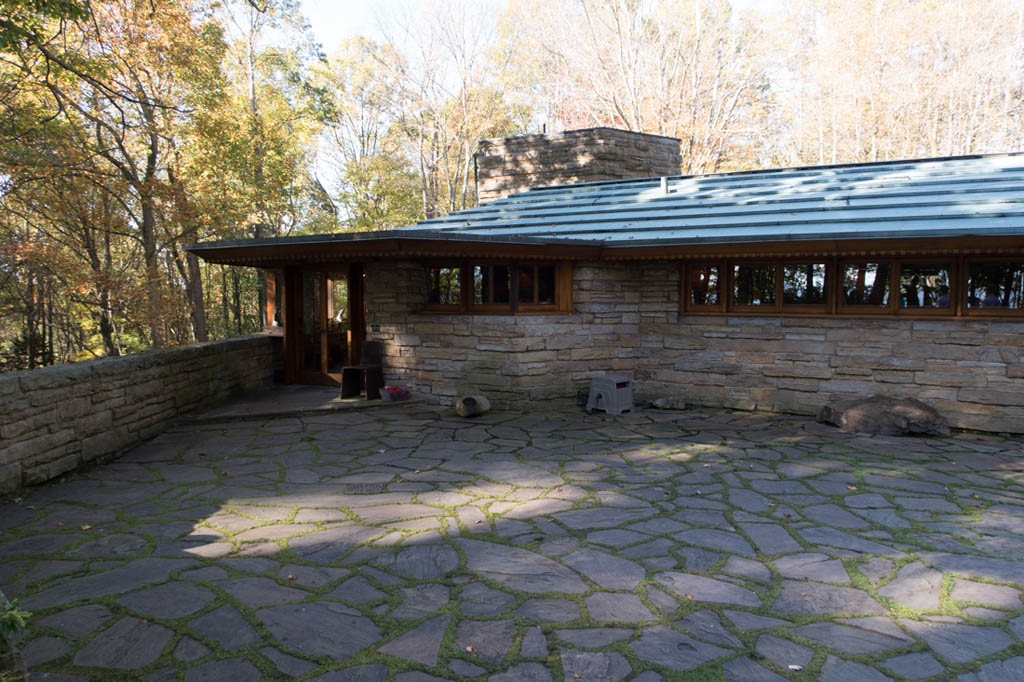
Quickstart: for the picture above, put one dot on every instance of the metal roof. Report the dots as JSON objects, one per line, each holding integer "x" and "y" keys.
{"x": 950, "y": 197}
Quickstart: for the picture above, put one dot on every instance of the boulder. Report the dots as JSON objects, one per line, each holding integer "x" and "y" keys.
{"x": 472, "y": 405}
{"x": 886, "y": 416}
{"x": 672, "y": 402}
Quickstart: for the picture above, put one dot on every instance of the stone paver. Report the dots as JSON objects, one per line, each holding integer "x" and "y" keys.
{"x": 351, "y": 545}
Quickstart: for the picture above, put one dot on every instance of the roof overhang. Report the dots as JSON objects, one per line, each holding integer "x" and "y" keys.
{"x": 389, "y": 245}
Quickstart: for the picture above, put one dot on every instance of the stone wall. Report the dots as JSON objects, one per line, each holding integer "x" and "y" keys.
{"x": 626, "y": 320}
{"x": 514, "y": 164}
{"x": 54, "y": 419}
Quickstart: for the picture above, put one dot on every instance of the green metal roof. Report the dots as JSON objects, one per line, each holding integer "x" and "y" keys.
{"x": 959, "y": 196}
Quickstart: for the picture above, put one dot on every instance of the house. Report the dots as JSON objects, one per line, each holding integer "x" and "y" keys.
{"x": 774, "y": 289}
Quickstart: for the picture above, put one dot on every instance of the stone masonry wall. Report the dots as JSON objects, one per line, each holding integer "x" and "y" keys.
{"x": 626, "y": 321}
{"x": 514, "y": 164}
{"x": 54, "y": 419}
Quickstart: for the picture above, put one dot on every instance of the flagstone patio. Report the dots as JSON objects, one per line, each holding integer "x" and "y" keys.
{"x": 406, "y": 544}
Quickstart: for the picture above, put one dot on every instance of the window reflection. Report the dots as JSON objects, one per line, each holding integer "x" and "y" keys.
{"x": 803, "y": 284}
{"x": 704, "y": 284}
{"x": 866, "y": 284}
{"x": 754, "y": 285}
{"x": 925, "y": 285}
{"x": 998, "y": 284}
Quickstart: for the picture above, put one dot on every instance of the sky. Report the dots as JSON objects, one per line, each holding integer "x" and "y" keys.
{"x": 335, "y": 20}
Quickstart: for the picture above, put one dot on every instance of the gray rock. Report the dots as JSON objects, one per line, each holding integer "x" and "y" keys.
{"x": 851, "y": 640}
{"x": 535, "y": 644}
{"x": 745, "y": 670}
{"x": 423, "y": 562}
{"x": 997, "y": 671}
{"x": 771, "y": 538}
{"x": 606, "y": 570}
{"x": 490, "y": 640}
{"x": 593, "y": 638}
{"x": 472, "y": 405}
{"x": 170, "y": 600}
{"x": 662, "y": 600}
{"x": 594, "y": 666}
{"x": 311, "y": 576}
{"x": 672, "y": 402}
{"x": 806, "y": 597}
{"x": 843, "y": 540}
{"x": 421, "y": 644}
{"x": 465, "y": 668}
{"x": 320, "y": 628}
{"x": 783, "y": 652}
{"x": 876, "y": 569}
{"x": 832, "y": 515}
{"x": 960, "y": 643}
{"x": 664, "y": 646}
{"x": 748, "y": 568}
{"x": 189, "y": 650}
{"x": 745, "y": 622}
{"x": 698, "y": 560}
{"x": 716, "y": 539}
{"x": 550, "y": 610}
{"x": 261, "y": 591}
{"x": 41, "y": 650}
{"x": 227, "y": 627}
{"x": 360, "y": 673}
{"x": 915, "y": 666}
{"x": 885, "y": 415}
{"x": 976, "y": 567}
{"x": 478, "y": 599}
{"x": 356, "y": 590}
{"x": 601, "y": 517}
{"x": 706, "y": 625}
{"x": 810, "y": 566}
{"x": 609, "y": 607}
{"x": 838, "y": 670}
{"x": 128, "y": 644}
{"x": 524, "y": 672}
{"x": 616, "y": 537}
{"x": 1000, "y": 596}
{"x": 331, "y": 544}
{"x": 915, "y": 586}
{"x": 228, "y": 670}
{"x": 704, "y": 589}
{"x": 285, "y": 664}
{"x": 519, "y": 569}
{"x": 119, "y": 580}
{"x": 421, "y": 601}
{"x": 79, "y": 621}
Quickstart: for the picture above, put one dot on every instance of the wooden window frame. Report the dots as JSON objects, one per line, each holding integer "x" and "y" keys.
{"x": 962, "y": 297}
{"x": 563, "y": 289}
{"x": 685, "y": 304}
{"x": 954, "y": 279}
{"x": 447, "y": 307}
{"x": 774, "y": 307}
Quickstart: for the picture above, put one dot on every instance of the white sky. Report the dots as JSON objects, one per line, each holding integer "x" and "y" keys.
{"x": 335, "y": 20}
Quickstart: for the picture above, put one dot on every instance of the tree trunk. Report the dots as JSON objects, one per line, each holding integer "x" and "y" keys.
{"x": 195, "y": 294}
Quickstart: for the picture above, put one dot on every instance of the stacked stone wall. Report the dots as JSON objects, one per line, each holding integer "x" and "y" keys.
{"x": 514, "y": 164}
{"x": 626, "y": 320}
{"x": 54, "y": 419}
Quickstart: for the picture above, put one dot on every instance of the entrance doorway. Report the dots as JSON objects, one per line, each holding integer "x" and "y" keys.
{"x": 324, "y": 324}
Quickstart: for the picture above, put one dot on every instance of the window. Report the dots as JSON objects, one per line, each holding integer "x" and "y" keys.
{"x": 803, "y": 284}
{"x": 499, "y": 287}
{"x": 925, "y": 285}
{"x": 704, "y": 285}
{"x": 492, "y": 284}
{"x": 866, "y": 284}
{"x": 995, "y": 286}
{"x": 444, "y": 286}
{"x": 754, "y": 285}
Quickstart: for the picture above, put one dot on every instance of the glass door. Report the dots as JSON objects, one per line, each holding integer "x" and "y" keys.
{"x": 325, "y": 328}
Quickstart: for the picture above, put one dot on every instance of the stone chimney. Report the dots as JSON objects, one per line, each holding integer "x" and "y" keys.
{"x": 514, "y": 164}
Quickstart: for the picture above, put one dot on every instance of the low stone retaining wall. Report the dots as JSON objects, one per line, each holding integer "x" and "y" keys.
{"x": 626, "y": 320}
{"x": 53, "y": 419}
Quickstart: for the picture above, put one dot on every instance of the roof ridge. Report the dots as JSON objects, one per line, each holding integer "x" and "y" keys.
{"x": 772, "y": 171}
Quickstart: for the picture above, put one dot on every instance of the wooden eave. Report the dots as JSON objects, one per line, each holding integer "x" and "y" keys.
{"x": 279, "y": 255}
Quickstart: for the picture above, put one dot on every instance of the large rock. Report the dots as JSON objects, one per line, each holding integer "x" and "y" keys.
{"x": 884, "y": 415}
{"x": 472, "y": 405}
